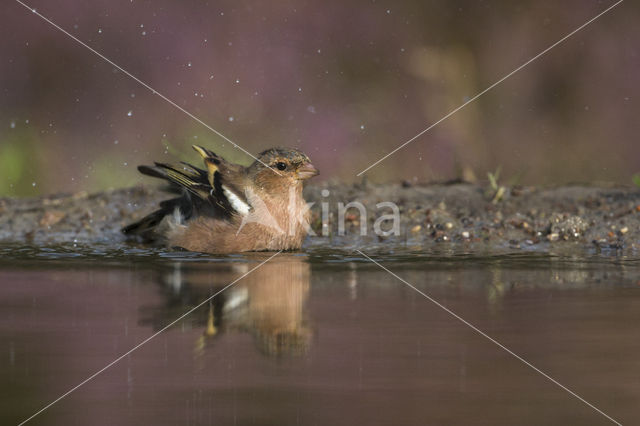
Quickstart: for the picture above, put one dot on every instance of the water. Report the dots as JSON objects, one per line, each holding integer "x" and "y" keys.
{"x": 322, "y": 337}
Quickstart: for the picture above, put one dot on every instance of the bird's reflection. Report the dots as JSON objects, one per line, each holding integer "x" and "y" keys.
{"x": 269, "y": 303}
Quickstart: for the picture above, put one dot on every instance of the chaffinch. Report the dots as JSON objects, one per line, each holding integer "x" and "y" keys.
{"x": 230, "y": 208}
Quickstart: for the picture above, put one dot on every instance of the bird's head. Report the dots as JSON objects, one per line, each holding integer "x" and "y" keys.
{"x": 279, "y": 168}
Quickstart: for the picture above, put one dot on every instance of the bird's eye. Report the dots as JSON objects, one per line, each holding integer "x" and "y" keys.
{"x": 280, "y": 165}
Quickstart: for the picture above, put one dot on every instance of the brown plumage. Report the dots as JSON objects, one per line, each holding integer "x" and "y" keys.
{"x": 229, "y": 208}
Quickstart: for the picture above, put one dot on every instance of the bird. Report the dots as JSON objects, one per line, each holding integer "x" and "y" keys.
{"x": 230, "y": 208}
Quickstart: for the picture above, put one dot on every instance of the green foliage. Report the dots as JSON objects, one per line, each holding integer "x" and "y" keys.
{"x": 16, "y": 161}
{"x": 110, "y": 171}
{"x": 497, "y": 189}
{"x": 493, "y": 178}
{"x": 636, "y": 179}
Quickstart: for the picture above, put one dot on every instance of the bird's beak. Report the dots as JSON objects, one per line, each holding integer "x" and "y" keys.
{"x": 306, "y": 171}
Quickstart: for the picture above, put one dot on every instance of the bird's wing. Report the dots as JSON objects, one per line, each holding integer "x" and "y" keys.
{"x": 225, "y": 179}
{"x": 214, "y": 192}
{"x": 184, "y": 176}
{"x": 220, "y": 186}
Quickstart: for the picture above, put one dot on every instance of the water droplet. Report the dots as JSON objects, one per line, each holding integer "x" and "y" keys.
{"x": 319, "y": 51}
{"x": 388, "y": 11}
{"x": 362, "y": 127}
{"x": 237, "y": 80}
{"x": 299, "y": 89}
{"x": 230, "y": 118}
{"x": 12, "y": 124}
{"x": 130, "y": 113}
{"x": 116, "y": 142}
{"x": 125, "y": 163}
{"x": 33, "y": 184}
{"x": 141, "y": 25}
{"x": 189, "y": 64}
{"x": 211, "y": 77}
{"x": 99, "y": 30}
{"x": 144, "y": 33}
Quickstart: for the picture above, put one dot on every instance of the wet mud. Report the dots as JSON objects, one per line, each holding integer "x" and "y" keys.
{"x": 456, "y": 214}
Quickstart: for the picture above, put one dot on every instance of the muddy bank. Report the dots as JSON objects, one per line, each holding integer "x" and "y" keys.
{"x": 601, "y": 218}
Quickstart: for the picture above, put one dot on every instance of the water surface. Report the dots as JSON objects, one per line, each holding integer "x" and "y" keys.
{"x": 322, "y": 337}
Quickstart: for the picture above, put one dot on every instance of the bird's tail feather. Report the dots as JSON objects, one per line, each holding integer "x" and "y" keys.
{"x": 148, "y": 225}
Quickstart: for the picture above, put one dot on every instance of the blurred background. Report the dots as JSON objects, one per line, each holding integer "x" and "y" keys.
{"x": 345, "y": 81}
